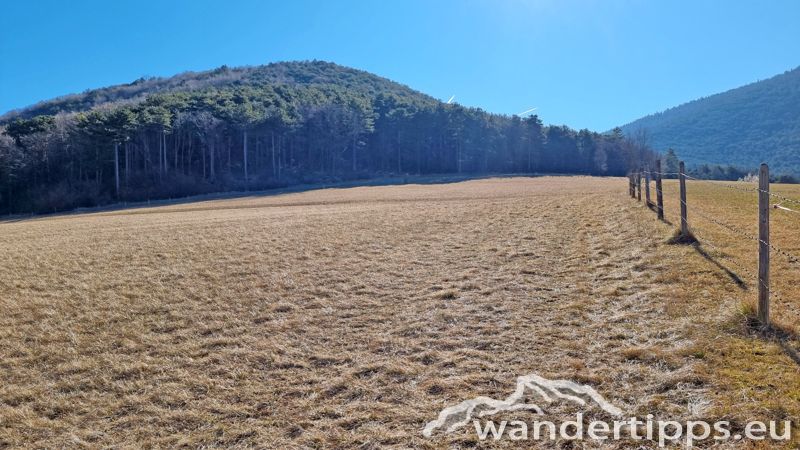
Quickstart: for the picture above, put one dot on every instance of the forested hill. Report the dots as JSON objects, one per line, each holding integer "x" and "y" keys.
{"x": 297, "y": 74}
{"x": 253, "y": 128}
{"x": 756, "y": 123}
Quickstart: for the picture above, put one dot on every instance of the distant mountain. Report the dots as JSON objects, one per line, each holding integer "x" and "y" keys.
{"x": 296, "y": 74}
{"x": 756, "y": 123}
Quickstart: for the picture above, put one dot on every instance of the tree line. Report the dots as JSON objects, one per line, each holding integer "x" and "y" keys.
{"x": 671, "y": 166}
{"x": 266, "y": 135}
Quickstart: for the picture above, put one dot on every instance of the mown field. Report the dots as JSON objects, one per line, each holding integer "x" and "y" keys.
{"x": 349, "y": 318}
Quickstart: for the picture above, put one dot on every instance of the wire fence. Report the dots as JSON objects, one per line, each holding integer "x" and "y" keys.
{"x": 762, "y": 279}
{"x": 791, "y": 257}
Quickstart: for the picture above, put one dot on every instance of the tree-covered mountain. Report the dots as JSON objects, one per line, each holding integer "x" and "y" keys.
{"x": 269, "y": 126}
{"x": 284, "y": 73}
{"x": 756, "y": 123}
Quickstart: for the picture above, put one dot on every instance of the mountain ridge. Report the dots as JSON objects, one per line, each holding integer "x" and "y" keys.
{"x": 754, "y": 123}
{"x": 291, "y": 73}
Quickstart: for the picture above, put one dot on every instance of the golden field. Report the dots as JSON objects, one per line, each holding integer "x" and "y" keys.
{"x": 348, "y": 318}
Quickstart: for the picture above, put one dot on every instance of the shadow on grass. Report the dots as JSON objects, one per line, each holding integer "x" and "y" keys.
{"x": 682, "y": 239}
{"x": 784, "y": 343}
{"x": 688, "y": 239}
{"x": 739, "y": 282}
{"x": 774, "y": 333}
{"x": 654, "y": 207}
{"x": 781, "y": 336}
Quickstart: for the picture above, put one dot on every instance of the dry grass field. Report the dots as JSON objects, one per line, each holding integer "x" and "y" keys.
{"x": 350, "y": 318}
{"x": 739, "y": 209}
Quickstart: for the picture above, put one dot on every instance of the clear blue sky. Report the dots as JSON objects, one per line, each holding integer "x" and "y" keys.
{"x": 594, "y": 64}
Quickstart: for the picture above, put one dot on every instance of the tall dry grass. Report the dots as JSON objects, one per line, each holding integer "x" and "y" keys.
{"x": 350, "y": 318}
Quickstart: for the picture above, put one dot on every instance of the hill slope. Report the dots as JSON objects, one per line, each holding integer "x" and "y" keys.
{"x": 756, "y": 123}
{"x": 295, "y": 74}
{"x": 253, "y": 128}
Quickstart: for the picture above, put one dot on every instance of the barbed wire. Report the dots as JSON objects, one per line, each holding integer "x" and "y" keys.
{"x": 778, "y": 196}
{"x": 775, "y": 294}
{"x": 725, "y": 185}
{"x": 707, "y": 242}
{"x": 791, "y": 257}
{"x": 661, "y": 173}
{"x": 722, "y": 184}
{"x": 720, "y": 253}
{"x": 701, "y": 238}
{"x": 712, "y": 220}
{"x": 704, "y": 181}
{"x": 760, "y": 281}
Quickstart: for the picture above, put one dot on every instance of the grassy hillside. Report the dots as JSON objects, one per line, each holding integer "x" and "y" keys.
{"x": 756, "y": 123}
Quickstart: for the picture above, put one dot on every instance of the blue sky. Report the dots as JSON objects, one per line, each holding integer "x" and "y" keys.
{"x": 582, "y": 63}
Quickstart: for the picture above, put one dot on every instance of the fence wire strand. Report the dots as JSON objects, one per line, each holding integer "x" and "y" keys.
{"x": 661, "y": 173}
{"x": 791, "y": 257}
{"x": 759, "y": 280}
{"x": 725, "y": 185}
{"x": 782, "y": 198}
{"x": 723, "y": 255}
{"x": 722, "y": 184}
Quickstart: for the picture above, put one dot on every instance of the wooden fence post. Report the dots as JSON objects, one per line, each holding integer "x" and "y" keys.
{"x": 633, "y": 185}
{"x": 763, "y": 245}
{"x": 631, "y": 189}
{"x": 684, "y": 221}
{"x": 659, "y": 196}
{"x": 647, "y": 185}
{"x": 639, "y": 183}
